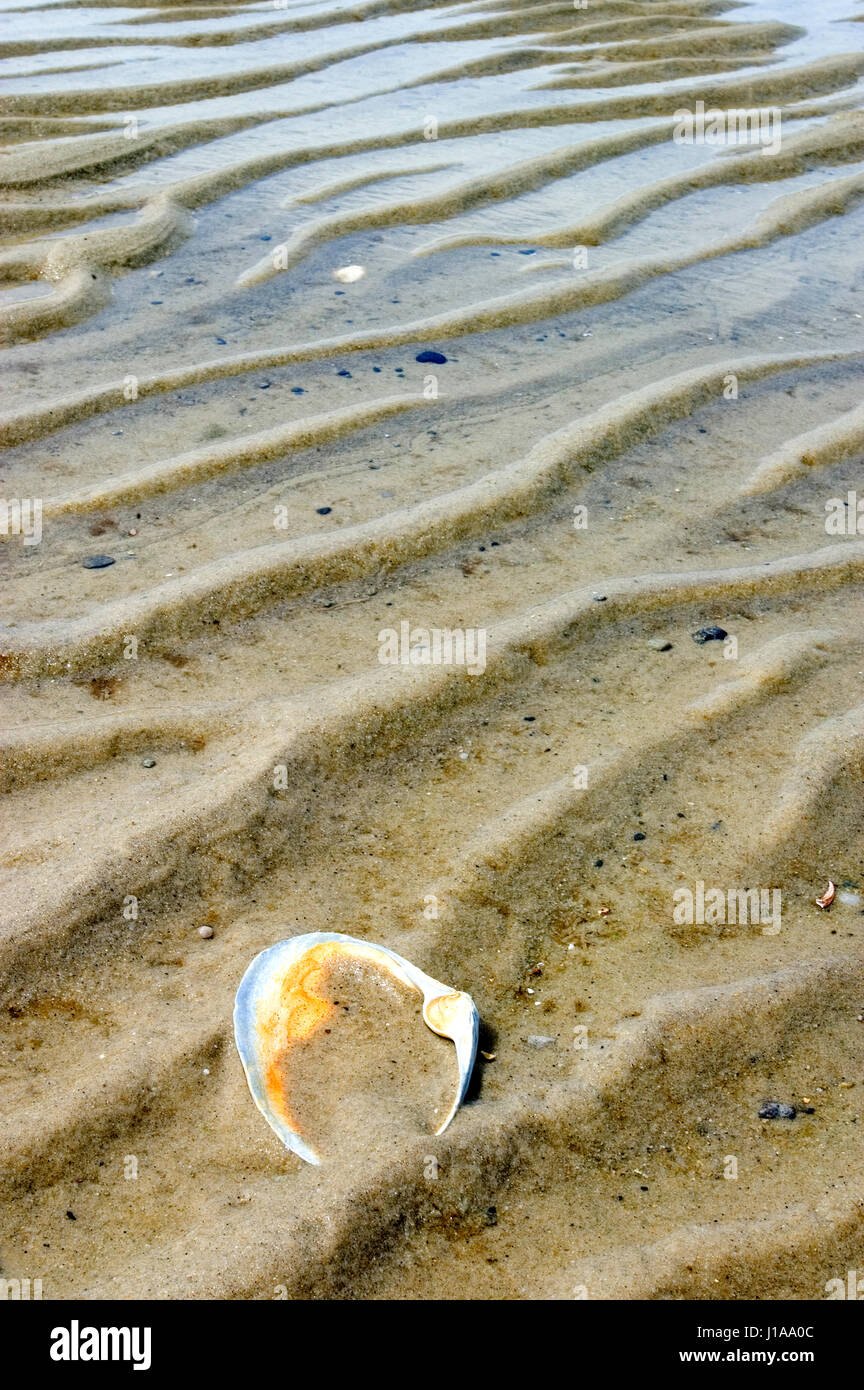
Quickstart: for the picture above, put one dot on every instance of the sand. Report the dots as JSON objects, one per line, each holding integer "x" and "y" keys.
{"x": 648, "y": 422}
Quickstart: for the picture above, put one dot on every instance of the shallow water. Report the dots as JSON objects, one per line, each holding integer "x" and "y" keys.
{"x": 651, "y": 395}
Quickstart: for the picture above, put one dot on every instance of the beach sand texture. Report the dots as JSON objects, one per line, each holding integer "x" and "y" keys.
{"x": 647, "y": 414}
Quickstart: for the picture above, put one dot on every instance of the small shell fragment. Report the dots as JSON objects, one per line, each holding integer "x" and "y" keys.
{"x": 828, "y": 896}
{"x": 347, "y": 274}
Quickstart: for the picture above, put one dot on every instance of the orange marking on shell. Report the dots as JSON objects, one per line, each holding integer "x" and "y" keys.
{"x": 292, "y": 1017}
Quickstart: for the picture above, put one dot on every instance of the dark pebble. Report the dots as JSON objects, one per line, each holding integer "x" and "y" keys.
{"x": 429, "y": 356}
{"x": 323, "y": 511}
{"x": 527, "y": 253}
{"x": 98, "y": 562}
{"x": 777, "y": 1110}
{"x": 72, "y": 1216}
{"x": 598, "y": 863}
{"x": 343, "y": 372}
{"x": 297, "y": 390}
{"x": 639, "y": 835}
{"x": 709, "y": 634}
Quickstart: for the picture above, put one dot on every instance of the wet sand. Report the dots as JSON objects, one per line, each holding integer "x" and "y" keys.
{"x": 648, "y": 413}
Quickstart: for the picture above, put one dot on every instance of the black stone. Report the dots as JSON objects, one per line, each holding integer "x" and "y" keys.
{"x": 709, "y": 634}
{"x": 430, "y": 356}
{"x": 777, "y": 1110}
{"x": 97, "y": 562}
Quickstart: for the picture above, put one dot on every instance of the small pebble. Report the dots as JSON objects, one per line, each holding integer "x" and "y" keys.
{"x": 97, "y": 562}
{"x": 539, "y": 1041}
{"x": 148, "y": 762}
{"x": 347, "y": 274}
{"x": 659, "y": 644}
{"x": 777, "y": 1110}
{"x": 205, "y": 932}
{"x": 430, "y": 356}
{"x": 709, "y": 634}
{"x": 599, "y": 598}
{"x": 323, "y": 511}
{"x": 640, "y": 835}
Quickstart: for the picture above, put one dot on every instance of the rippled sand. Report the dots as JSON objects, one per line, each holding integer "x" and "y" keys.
{"x": 651, "y": 393}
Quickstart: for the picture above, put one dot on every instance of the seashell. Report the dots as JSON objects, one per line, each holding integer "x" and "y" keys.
{"x": 828, "y": 896}
{"x": 277, "y": 1003}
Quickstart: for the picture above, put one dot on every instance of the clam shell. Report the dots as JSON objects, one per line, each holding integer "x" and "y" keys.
{"x": 271, "y": 1006}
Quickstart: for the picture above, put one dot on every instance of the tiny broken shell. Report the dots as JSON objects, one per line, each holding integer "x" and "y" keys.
{"x": 827, "y": 897}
